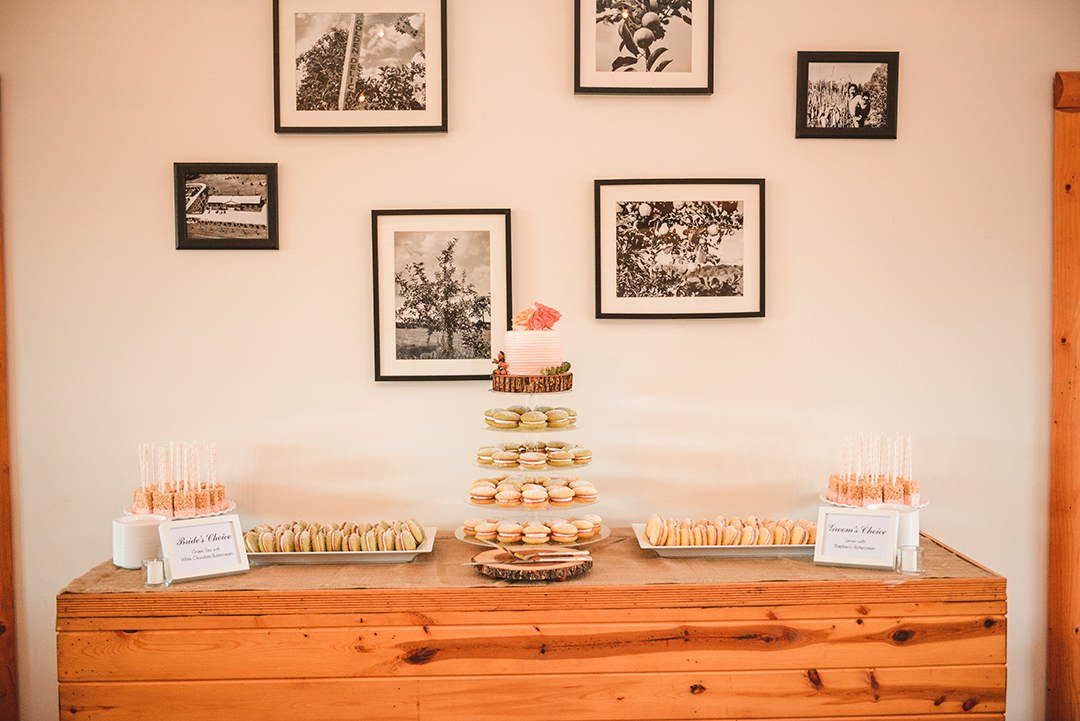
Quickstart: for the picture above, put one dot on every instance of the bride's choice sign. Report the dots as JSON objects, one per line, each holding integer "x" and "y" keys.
{"x": 856, "y": 537}
{"x": 203, "y": 547}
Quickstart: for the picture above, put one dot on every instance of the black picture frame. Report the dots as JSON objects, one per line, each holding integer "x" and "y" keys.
{"x": 843, "y": 94}
{"x": 680, "y": 248}
{"x": 611, "y": 57}
{"x": 226, "y": 206}
{"x": 327, "y": 33}
{"x": 407, "y": 246}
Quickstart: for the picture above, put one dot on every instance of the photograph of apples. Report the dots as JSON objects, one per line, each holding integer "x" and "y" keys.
{"x": 644, "y": 46}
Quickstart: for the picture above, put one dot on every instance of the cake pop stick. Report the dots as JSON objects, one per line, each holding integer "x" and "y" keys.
{"x": 142, "y": 466}
{"x": 907, "y": 458}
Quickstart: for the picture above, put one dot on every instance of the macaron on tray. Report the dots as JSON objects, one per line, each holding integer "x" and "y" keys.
{"x": 575, "y": 531}
{"x": 532, "y": 493}
{"x": 732, "y": 537}
{"x": 301, "y": 542}
{"x": 522, "y": 418}
{"x": 534, "y": 455}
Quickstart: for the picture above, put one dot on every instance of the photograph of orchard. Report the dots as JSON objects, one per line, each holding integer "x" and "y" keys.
{"x": 667, "y": 248}
{"x": 847, "y": 95}
{"x": 360, "y": 61}
{"x": 442, "y": 289}
{"x": 643, "y": 36}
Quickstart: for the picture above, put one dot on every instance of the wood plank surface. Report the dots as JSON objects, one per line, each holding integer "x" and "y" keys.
{"x": 805, "y": 693}
{"x": 490, "y": 618}
{"x": 545, "y": 597}
{"x": 1063, "y": 645}
{"x": 9, "y": 707}
{"x": 529, "y": 649}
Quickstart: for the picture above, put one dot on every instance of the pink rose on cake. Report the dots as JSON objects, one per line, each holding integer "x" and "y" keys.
{"x": 541, "y": 317}
{"x": 548, "y": 316}
{"x": 522, "y": 318}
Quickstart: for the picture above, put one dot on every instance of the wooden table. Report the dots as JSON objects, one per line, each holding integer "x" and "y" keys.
{"x": 638, "y": 637}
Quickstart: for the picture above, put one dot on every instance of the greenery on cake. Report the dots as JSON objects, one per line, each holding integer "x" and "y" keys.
{"x": 557, "y": 370}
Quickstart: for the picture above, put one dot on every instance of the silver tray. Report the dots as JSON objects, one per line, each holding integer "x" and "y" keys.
{"x": 719, "y": 551}
{"x": 342, "y": 557}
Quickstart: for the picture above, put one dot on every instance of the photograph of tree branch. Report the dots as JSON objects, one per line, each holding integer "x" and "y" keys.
{"x": 375, "y": 70}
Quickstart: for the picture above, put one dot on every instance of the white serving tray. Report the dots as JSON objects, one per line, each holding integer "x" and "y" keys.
{"x": 230, "y": 506}
{"x": 924, "y": 504}
{"x": 719, "y": 551}
{"x": 343, "y": 557}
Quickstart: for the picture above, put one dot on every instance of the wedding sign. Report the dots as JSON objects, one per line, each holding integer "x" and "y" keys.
{"x": 856, "y": 537}
{"x": 203, "y": 547}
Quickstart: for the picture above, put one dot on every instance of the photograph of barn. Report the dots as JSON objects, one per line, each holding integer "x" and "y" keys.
{"x": 225, "y": 206}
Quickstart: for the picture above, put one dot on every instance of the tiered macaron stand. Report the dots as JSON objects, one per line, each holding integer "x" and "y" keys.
{"x": 495, "y": 561}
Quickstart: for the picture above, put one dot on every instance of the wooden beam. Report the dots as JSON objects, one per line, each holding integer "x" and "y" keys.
{"x": 855, "y": 692}
{"x": 1067, "y": 91}
{"x": 1063, "y": 646}
{"x": 527, "y": 650}
{"x": 9, "y": 704}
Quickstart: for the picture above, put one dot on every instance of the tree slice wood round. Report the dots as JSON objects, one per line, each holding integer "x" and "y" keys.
{"x": 532, "y": 384}
{"x": 494, "y": 563}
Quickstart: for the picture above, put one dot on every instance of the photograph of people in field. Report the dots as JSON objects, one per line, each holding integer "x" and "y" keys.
{"x": 644, "y": 36}
{"x": 361, "y": 61}
{"x": 847, "y": 95}
{"x": 690, "y": 248}
{"x": 442, "y": 290}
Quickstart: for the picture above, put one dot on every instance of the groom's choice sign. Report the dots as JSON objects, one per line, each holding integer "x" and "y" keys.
{"x": 856, "y": 537}
{"x": 203, "y": 547}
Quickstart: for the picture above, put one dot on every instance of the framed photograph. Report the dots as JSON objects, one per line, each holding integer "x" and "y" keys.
{"x": 680, "y": 248}
{"x": 846, "y": 95}
{"x": 442, "y": 289}
{"x": 360, "y": 66}
{"x": 203, "y": 547}
{"x": 858, "y": 537}
{"x": 226, "y": 205}
{"x": 643, "y": 46}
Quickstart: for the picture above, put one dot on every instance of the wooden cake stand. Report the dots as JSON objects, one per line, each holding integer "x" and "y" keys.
{"x": 498, "y": 564}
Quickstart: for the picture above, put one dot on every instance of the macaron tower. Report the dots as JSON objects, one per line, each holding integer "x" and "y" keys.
{"x": 525, "y": 468}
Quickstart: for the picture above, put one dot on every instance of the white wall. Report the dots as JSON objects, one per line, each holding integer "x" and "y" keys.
{"x": 909, "y": 281}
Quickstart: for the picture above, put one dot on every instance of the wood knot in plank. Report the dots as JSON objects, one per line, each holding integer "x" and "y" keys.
{"x": 814, "y": 677}
{"x": 902, "y": 635}
{"x": 697, "y": 688}
{"x": 420, "y": 656}
{"x": 970, "y": 704}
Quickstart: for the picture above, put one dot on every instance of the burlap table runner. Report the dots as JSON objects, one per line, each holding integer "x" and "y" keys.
{"x": 618, "y": 561}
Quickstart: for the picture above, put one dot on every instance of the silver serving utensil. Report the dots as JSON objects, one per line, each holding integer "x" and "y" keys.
{"x": 531, "y": 561}
{"x": 546, "y": 554}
